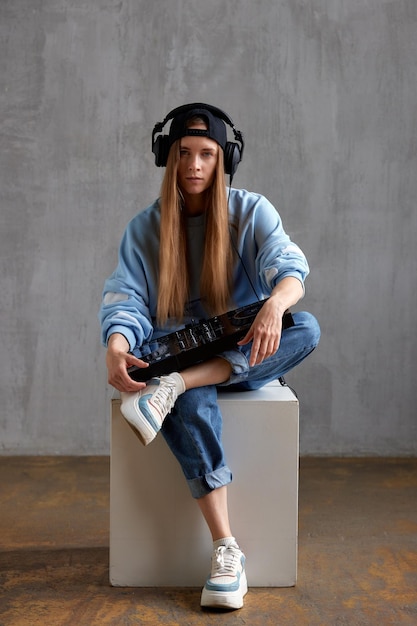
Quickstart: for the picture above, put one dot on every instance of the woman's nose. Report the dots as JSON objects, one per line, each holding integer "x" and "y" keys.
{"x": 194, "y": 163}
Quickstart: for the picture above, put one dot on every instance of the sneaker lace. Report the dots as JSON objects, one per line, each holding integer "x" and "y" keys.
{"x": 164, "y": 397}
{"x": 225, "y": 561}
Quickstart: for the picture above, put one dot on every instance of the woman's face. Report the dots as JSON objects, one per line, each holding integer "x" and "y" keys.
{"x": 197, "y": 164}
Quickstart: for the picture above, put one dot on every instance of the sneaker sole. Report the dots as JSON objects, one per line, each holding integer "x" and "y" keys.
{"x": 140, "y": 426}
{"x": 138, "y": 434}
{"x": 225, "y": 599}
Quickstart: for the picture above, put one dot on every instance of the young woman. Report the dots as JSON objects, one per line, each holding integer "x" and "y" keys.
{"x": 200, "y": 250}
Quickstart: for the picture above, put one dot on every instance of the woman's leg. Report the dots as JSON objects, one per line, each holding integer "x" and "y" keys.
{"x": 296, "y": 344}
{"x": 211, "y": 372}
{"x": 215, "y": 511}
{"x": 193, "y": 432}
{"x": 146, "y": 410}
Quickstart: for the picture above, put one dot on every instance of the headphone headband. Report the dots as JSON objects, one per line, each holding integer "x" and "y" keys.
{"x": 197, "y": 105}
{"x": 232, "y": 151}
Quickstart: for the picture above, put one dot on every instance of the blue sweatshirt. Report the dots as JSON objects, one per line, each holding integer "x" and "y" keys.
{"x": 267, "y": 255}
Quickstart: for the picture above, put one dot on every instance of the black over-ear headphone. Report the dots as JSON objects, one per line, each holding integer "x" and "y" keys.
{"x": 232, "y": 152}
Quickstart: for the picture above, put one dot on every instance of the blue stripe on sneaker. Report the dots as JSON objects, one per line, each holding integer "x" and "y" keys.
{"x": 234, "y": 586}
{"x": 143, "y": 408}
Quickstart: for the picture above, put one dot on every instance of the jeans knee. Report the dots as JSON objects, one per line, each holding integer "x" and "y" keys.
{"x": 310, "y": 327}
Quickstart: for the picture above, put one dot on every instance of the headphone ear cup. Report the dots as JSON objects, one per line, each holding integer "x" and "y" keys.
{"x": 160, "y": 149}
{"x": 232, "y": 158}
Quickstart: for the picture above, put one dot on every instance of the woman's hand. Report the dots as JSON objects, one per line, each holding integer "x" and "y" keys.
{"x": 266, "y": 329}
{"x": 118, "y": 360}
{"x": 265, "y": 333}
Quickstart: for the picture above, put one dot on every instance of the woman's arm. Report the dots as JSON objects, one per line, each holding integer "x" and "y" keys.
{"x": 266, "y": 329}
{"x": 118, "y": 360}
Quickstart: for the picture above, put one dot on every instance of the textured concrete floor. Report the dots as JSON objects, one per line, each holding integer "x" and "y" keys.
{"x": 357, "y": 550}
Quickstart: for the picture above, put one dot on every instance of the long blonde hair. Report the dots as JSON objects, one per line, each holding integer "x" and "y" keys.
{"x": 216, "y": 274}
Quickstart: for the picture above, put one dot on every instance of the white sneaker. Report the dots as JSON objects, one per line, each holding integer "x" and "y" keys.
{"x": 145, "y": 410}
{"x": 227, "y": 584}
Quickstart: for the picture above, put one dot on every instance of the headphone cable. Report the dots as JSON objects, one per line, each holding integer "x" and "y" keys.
{"x": 236, "y": 249}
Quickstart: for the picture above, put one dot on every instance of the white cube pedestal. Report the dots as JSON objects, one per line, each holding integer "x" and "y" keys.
{"x": 158, "y": 536}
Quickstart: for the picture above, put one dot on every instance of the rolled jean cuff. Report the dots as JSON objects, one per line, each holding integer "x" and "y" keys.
{"x": 203, "y": 485}
{"x": 240, "y": 366}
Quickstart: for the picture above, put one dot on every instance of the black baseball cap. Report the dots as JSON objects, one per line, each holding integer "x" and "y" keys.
{"x": 216, "y": 128}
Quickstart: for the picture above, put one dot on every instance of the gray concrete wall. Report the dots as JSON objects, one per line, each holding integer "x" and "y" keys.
{"x": 325, "y": 91}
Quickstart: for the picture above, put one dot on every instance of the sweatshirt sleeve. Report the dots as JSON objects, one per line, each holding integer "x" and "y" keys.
{"x": 265, "y": 248}
{"x": 125, "y": 304}
{"x": 278, "y": 256}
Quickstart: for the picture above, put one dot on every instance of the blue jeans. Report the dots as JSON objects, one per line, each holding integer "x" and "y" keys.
{"x": 193, "y": 429}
